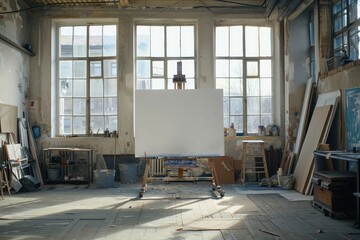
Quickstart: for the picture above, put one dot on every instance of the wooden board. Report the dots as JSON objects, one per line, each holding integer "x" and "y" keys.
{"x": 8, "y": 119}
{"x": 304, "y": 117}
{"x": 223, "y": 169}
{"x": 312, "y": 139}
{"x": 13, "y": 151}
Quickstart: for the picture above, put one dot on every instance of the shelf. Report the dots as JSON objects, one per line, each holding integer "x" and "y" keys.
{"x": 16, "y": 45}
{"x": 57, "y": 172}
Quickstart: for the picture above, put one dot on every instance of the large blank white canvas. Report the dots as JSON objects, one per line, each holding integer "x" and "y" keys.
{"x": 179, "y": 123}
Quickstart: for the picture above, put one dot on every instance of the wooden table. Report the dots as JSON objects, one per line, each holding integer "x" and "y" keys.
{"x": 320, "y": 156}
{"x": 146, "y": 178}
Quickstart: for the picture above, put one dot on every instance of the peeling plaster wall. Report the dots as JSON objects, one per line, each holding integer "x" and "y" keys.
{"x": 42, "y": 73}
{"x": 297, "y": 69}
{"x": 14, "y": 64}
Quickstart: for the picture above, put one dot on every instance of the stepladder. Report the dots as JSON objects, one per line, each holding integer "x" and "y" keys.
{"x": 254, "y": 164}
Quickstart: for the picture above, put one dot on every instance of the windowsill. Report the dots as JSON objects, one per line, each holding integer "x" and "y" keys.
{"x": 340, "y": 69}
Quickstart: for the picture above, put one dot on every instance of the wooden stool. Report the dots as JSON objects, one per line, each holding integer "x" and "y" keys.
{"x": 250, "y": 165}
{"x": 4, "y": 182}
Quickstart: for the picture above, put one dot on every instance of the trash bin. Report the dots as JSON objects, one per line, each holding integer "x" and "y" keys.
{"x": 104, "y": 178}
{"x": 128, "y": 172}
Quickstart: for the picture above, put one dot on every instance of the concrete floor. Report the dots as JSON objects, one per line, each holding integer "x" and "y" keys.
{"x": 175, "y": 211}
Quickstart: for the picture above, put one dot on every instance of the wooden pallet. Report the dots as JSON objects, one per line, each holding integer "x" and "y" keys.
{"x": 328, "y": 212}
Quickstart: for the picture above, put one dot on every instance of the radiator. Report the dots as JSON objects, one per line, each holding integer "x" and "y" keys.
{"x": 157, "y": 168}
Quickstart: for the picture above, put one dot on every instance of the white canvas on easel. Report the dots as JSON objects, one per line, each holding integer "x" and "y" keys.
{"x": 179, "y": 123}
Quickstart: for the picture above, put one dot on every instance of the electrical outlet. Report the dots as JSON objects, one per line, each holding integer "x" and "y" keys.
{"x": 128, "y": 144}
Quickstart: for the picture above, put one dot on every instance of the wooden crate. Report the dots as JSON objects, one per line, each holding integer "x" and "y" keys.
{"x": 334, "y": 191}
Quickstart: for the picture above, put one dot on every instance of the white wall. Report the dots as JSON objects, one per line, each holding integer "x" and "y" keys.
{"x": 14, "y": 64}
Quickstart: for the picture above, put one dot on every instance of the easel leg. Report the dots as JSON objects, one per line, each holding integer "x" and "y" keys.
{"x": 145, "y": 178}
{"x": 216, "y": 187}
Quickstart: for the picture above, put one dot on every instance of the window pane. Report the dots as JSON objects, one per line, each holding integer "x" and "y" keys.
{"x": 265, "y": 68}
{"x": 109, "y": 40}
{"x": 143, "y": 41}
{"x": 158, "y": 68}
{"x": 253, "y": 105}
{"x": 173, "y": 41}
{"x": 143, "y": 84}
{"x": 65, "y": 125}
{"x": 266, "y": 105}
{"x": 96, "y": 88}
{"x": 79, "y": 106}
{"x": 226, "y": 121}
{"x": 110, "y": 87}
{"x": 97, "y": 123}
{"x": 157, "y": 83}
{"x": 355, "y": 40}
{"x": 265, "y": 87}
{"x": 66, "y": 41}
{"x": 143, "y": 69}
{"x": 222, "y": 41}
{"x": 79, "y": 69}
{"x": 222, "y": 68}
{"x": 238, "y": 123}
{"x": 252, "y": 68}
{"x": 95, "y": 41}
{"x": 110, "y": 105}
{"x": 188, "y": 68}
{"x": 110, "y": 68}
{"x": 236, "y": 87}
{"x": 157, "y": 41}
{"x": 65, "y": 88}
{"x": 187, "y": 41}
{"x": 79, "y": 125}
{"x": 236, "y": 106}
{"x": 190, "y": 83}
{"x": 65, "y": 70}
{"x": 80, "y": 44}
{"x": 226, "y": 106}
{"x": 236, "y": 41}
{"x": 65, "y": 106}
{"x": 265, "y": 41}
{"x": 111, "y": 122}
{"x": 354, "y": 10}
{"x": 96, "y": 106}
{"x": 236, "y": 68}
{"x": 95, "y": 69}
{"x": 79, "y": 88}
{"x": 252, "y": 85}
{"x": 251, "y": 41}
{"x": 266, "y": 120}
{"x": 223, "y": 83}
{"x": 252, "y": 124}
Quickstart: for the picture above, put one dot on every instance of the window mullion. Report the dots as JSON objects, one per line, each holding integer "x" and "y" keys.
{"x": 88, "y": 115}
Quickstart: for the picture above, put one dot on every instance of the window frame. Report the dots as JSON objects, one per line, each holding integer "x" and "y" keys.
{"x": 245, "y": 77}
{"x": 343, "y": 33}
{"x": 165, "y": 59}
{"x": 55, "y": 85}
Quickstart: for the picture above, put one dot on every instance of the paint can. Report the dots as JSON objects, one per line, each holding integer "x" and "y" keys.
{"x": 36, "y": 131}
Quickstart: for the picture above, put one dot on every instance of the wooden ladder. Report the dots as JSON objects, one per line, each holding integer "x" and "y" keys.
{"x": 4, "y": 181}
{"x": 250, "y": 165}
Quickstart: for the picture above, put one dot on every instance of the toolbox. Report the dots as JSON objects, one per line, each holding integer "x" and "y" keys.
{"x": 333, "y": 192}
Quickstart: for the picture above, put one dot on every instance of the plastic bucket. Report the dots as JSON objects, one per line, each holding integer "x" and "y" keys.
{"x": 128, "y": 172}
{"x": 104, "y": 178}
{"x": 287, "y": 182}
